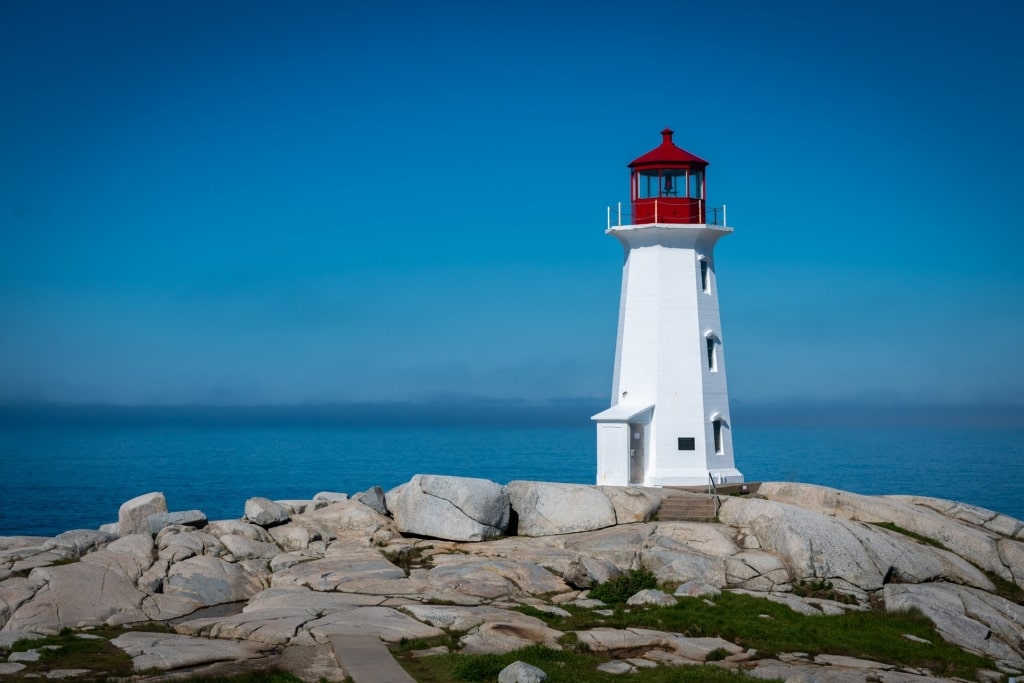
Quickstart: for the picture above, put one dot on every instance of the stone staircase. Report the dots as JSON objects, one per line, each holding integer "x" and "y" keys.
{"x": 692, "y": 503}
{"x": 687, "y": 506}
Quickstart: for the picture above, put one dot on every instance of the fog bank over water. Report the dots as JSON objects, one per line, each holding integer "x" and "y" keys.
{"x": 475, "y": 411}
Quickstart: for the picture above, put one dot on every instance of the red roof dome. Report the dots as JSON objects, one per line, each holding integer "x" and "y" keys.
{"x": 667, "y": 154}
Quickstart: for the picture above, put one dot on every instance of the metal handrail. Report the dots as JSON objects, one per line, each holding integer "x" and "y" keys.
{"x": 715, "y": 216}
{"x": 713, "y": 492}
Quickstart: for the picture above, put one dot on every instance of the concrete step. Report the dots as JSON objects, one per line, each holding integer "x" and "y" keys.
{"x": 687, "y": 507}
{"x": 366, "y": 659}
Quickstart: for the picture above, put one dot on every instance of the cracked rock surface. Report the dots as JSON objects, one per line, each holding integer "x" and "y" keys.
{"x": 236, "y": 590}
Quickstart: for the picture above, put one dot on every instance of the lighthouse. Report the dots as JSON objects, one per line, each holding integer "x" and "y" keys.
{"x": 668, "y": 424}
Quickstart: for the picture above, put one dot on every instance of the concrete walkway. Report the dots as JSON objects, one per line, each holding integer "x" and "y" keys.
{"x": 367, "y": 660}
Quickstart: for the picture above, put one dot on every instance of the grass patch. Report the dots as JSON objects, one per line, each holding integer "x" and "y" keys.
{"x": 262, "y": 676}
{"x": 1005, "y": 589}
{"x": 564, "y": 666}
{"x": 914, "y": 535}
{"x": 875, "y": 635}
{"x": 96, "y": 654}
{"x": 822, "y": 589}
{"x": 621, "y": 588}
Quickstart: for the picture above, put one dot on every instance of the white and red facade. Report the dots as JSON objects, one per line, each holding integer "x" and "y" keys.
{"x": 668, "y": 424}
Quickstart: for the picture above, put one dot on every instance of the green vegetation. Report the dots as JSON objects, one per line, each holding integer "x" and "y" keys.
{"x": 912, "y": 534}
{"x": 68, "y": 650}
{"x": 1005, "y": 589}
{"x": 771, "y": 628}
{"x": 72, "y": 652}
{"x": 619, "y": 589}
{"x": 566, "y": 666}
{"x": 823, "y": 589}
{"x": 263, "y": 676}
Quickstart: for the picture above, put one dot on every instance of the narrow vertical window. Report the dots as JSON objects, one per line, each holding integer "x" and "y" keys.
{"x": 705, "y": 280}
{"x": 712, "y": 360}
{"x": 717, "y": 427}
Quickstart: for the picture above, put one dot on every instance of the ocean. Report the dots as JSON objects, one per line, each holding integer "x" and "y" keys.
{"x": 62, "y": 475}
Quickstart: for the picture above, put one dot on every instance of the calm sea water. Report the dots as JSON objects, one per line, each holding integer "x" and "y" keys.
{"x": 67, "y": 476}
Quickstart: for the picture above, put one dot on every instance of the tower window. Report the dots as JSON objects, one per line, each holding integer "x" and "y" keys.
{"x": 717, "y": 428}
{"x": 712, "y": 356}
{"x": 705, "y": 279}
{"x": 687, "y": 443}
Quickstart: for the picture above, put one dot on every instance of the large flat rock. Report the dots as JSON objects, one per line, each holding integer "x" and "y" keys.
{"x": 452, "y": 508}
{"x": 546, "y": 508}
{"x": 169, "y": 651}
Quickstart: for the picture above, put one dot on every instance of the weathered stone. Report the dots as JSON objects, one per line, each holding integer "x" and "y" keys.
{"x": 132, "y": 518}
{"x": 521, "y": 672}
{"x": 39, "y": 559}
{"x": 651, "y": 596}
{"x": 713, "y": 540}
{"x": 168, "y": 651}
{"x": 795, "y": 533}
{"x": 352, "y": 569}
{"x": 290, "y": 559}
{"x": 633, "y": 503}
{"x": 616, "y": 667}
{"x": 586, "y": 571}
{"x": 697, "y": 589}
{"x": 965, "y": 540}
{"x": 1011, "y": 554}
{"x": 453, "y": 508}
{"x": 330, "y": 497}
{"x": 386, "y": 623}
{"x": 508, "y": 636}
{"x": 374, "y": 499}
{"x": 7, "y": 668}
{"x": 350, "y": 520}
{"x": 265, "y": 512}
{"x": 492, "y": 578}
{"x": 27, "y": 656}
{"x": 247, "y": 549}
{"x": 972, "y": 619}
{"x": 159, "y": 520}
{"x": 464, "y": 618}
{"x": 674, "y": 562}
{"x": 238, "y": 528}
{"x": 621, "y": 642}
{"x": 180, "y": 543}
{"x": 695, "y": 649}
{"x": 211, "y": 581}
{"x": 72, "y": 545}
{"x": 292, "y": 536}
{"x": 756, "y": 570}
{"x": 851, "y": 662}
{"x": 294, "y": 507}
{"x": 77, "y": 595}
{"x": 546, "y": 508}
{"x": 8, "y": 638}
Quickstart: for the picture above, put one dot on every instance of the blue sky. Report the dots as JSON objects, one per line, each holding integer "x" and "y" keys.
{"x": 287, "y": 203}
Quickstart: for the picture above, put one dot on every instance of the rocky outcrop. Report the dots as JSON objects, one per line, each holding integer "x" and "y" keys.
{"x": 453, "y": 508}
{"x": 545, "y": 508}
{"x": 292, "y": 574}
{"x": 133, "y": 517}
{"x": 265, "y": 512}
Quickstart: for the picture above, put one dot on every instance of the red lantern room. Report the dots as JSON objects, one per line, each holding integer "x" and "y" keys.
{"x": 667, "y": 185}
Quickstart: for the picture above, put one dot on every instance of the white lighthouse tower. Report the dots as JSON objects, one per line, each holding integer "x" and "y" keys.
{"x": 668, "y": 424}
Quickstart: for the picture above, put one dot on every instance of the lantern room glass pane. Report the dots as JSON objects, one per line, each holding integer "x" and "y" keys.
{"x": 696, "y": 185}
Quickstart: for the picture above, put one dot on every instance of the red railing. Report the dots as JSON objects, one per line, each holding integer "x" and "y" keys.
{"x": 616, "y": 216}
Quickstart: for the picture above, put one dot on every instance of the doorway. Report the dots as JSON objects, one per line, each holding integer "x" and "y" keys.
{"x": 637, "y": 453}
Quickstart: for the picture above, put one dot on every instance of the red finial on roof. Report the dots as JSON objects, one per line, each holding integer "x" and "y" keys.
{"x": 667, "y": 153}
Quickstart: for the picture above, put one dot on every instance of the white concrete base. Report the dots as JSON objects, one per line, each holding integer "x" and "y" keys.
{"x": 695, "y": 477}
